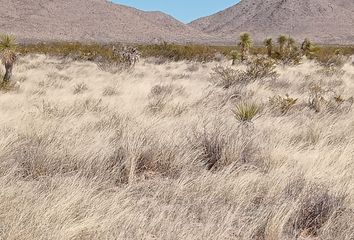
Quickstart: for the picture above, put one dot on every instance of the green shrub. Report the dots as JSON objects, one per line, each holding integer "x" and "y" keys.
{"x": 260, "y": 68}
{"x": 175, "y": 52}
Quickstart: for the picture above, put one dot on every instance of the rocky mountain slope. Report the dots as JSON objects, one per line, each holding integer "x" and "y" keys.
{"x": 90, "y": 20}
{"x": 324, "y": 21}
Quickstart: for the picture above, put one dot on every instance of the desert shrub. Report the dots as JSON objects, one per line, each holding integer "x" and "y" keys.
{"x": 331, "y": 60}
{"x": 316, "y": 97}
{"x": 113, "y": 66}
{"x": 80, "y": 88}
{"x": 193, "y": 68}
{"x": 324, "y": 99}
{"x": 160, "y": 95}
{"x": 102, "y": 55}
{"x": 246, "y": 111}
{"x": 261, "y": 68}
{"x": 77, "y": 109}
{"x": 331, "y": 71}
{"x": 332, "y": 55}
{"x": 10, "y": 86}
{"x": 210, "y": 145}
{"x": 226, "y": 77}
{"x": 161, "y": 90}
{"x": 175, "y": 52}
{"x": 74, "y": 50}
{"x": 314, "y": 208}
{"x": 258, "y": 68}
{"x": 339, "y": 104}
{"x": 282, "y": 104}
{"x": 292, "y": 57}
{"x": 109, "y": 91}
{"x": 58, "y": 76}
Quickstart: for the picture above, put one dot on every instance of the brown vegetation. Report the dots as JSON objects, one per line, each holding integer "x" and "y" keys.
{"x": 188, "y": 149}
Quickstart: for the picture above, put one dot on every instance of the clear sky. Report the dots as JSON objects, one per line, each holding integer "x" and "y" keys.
{"x": 183, "y": 10}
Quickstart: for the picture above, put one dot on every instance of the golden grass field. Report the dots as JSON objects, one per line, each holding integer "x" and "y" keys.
{"x": 92, "y": 154}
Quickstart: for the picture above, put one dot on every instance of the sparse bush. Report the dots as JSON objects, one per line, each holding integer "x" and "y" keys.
{"x": 159, "y": 96}
{"x": 74, "y": 50}
{"x": 316, "y": 99}
{"x": 331, "y": 72}
{"x": 257, "y": 69}
{"x": 282, "y": 104}
{"x": 109, "y": 91}
{"x": 315, "y": 207}
{"x": 58, "y": 76}
{"x": 160, "y": 90}
{"x": 332, "y": 57}
{"x": 226, "y": 77}
{"x": 292, "y": 57}
{"x": 193, "y": 68}
{"x": 211, "y": 146}
{"x": 338, "y": 104}
{"x": 80, "y": 88}
{"x": 174, "y": 52}
{"x": 261, "y": 68}
{"x": 331, "y": 61}
{"x": 324, "y": 99}
{"x": 246, "y": 111}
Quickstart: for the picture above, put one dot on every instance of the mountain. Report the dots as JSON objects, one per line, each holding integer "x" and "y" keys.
{"x": 324, "y": 21}
{"x": 91, "y": 20}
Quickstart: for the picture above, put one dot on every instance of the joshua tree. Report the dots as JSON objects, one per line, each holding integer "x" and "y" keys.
{"x": 307, "y": 47}
{"x": 8, "y": 55}
{"x": 282, "y": 41}
{"x": 245, "y": 45}
{"x": 290, "y": 44}
{"x": 268, "y": 43}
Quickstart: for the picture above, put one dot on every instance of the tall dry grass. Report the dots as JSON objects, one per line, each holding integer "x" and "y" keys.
{"x": 157, "y": 153}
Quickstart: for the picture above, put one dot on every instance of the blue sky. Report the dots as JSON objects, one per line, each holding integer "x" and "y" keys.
{"x": 183, "y": 10}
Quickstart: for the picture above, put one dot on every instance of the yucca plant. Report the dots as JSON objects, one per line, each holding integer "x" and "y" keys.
{"x": 282, "y": 41}
{"x": 307, "y": 47}
{"x": 290, "y": 44}
{"x": 245, "y": 45}
{"x": 268, "y": 43}
{"x": 246, "y": 111}
{"x": 234, "y": 56}
{"x": 8, "y": 54}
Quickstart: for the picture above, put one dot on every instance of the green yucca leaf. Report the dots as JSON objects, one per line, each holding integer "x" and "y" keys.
{"x": 7, "y": 42}
{"x": 246, "y": 111}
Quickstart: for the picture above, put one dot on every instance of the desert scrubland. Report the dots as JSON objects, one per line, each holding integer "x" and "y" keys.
{"x": 161, "y": 151}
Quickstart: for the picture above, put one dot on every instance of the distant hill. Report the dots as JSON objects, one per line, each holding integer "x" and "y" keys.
{"x": 91, "y": 20}
{"x": 324, "y": 21}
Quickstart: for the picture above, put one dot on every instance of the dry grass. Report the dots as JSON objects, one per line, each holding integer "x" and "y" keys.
{"x": 166, "y": 158}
